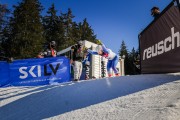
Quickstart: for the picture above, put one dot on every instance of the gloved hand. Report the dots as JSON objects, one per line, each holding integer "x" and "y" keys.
{"x": 87, "y": 63}
{"x": 88, "y": 50}
{"x": 85, "y": 49}
{"x": 99, "y": 42}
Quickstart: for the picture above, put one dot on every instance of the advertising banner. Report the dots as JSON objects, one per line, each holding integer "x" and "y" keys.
{"x": 160, "y": 43}
{"x": 4, "y": 73}
{"x": 32, "y": 72}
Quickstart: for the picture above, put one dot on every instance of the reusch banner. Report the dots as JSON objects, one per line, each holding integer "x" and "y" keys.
{"x": 32, "y": 72}
{"x": 160, "y": 43}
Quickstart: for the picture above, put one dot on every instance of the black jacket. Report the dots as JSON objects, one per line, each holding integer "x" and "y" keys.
{"x": 77, "y": 53}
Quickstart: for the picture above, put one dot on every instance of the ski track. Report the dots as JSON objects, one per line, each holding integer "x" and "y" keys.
{"x": 161, "y": 102}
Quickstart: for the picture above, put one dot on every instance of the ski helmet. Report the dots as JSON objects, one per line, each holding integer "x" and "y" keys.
{"x": 98, "y": 48}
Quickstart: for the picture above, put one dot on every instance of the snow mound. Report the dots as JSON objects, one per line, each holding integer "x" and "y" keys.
{"x": 128, "y": 97}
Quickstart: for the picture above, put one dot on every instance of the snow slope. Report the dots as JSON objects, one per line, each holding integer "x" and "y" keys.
{"x": 150, "y": 97}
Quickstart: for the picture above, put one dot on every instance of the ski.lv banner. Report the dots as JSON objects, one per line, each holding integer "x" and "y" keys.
{"x": 160, "y": 43}
{"x": 4, "y": 73}
{"x": 32, "y": 72}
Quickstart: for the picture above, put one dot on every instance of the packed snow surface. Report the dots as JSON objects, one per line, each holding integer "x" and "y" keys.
{"x": 138, "y": 97}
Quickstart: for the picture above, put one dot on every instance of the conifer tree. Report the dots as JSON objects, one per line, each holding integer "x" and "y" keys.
{"x": 27, "y": 30}
{"x": 134, "y": 61}
{"x": 137, "y": 61}
{"x": 4, "y": 19}
{"x": 124, "y": 52}
{"x": 83, "y": 31}
{"x": 76, "y": 33}
{"x": 123, "y": 49}
{"x": 132, "y": 67}
{"x": 53, "y": 27}
{"x": 67, "y": 19}
{"x": 86, "y": 31}
{"x": 3, "y": 15}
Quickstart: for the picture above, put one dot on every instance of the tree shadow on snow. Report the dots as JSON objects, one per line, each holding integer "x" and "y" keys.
{"x": 20, "y": 91}
{"x": 61, "y": 99}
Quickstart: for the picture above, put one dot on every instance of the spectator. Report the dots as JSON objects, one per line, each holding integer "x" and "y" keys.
{"x": 49, "y": 51}
{"x": 155, "y": 12}
{"x": 77, "y": 56}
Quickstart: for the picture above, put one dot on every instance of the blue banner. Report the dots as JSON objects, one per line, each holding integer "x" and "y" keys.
{"x": 32, "y": 72}
{"x": 4, "y": 73}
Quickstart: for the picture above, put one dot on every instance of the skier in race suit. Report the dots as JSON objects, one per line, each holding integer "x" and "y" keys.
{"x": 108, "y": 54}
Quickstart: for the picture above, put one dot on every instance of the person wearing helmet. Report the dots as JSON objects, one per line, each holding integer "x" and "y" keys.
{"x": 108, "y": 54}
{"x": 155, "y": 12}
{"x": 77, "y": 56}
{"x": 49, "y": 51}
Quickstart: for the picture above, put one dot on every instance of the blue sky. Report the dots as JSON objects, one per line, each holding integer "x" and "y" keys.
{"x": 111, "y": 20}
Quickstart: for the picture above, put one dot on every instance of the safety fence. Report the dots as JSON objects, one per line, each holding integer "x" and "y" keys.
{"x": 33, "y": 72}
